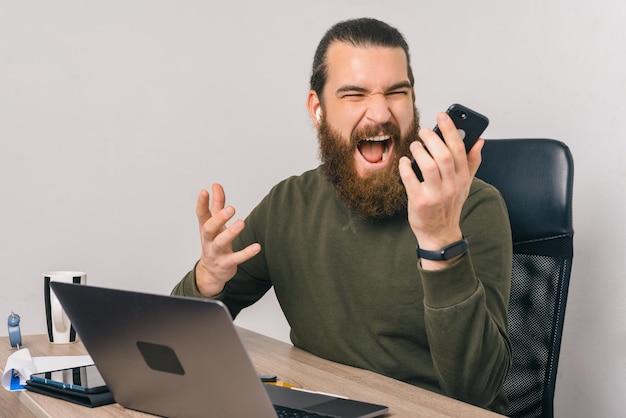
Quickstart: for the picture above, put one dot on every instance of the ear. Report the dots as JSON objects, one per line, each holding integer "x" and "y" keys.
{"x": 314, "y": 107}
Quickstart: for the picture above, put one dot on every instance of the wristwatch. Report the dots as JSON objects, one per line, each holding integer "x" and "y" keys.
{"x": 446, "y": 253}
{"x": 15, "y": 337}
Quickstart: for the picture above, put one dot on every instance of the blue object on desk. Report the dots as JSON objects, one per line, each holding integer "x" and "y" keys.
{"x": 15, "y": 383}
{"x": 15, "y": 336}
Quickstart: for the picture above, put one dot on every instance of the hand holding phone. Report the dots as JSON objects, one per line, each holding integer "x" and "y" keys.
{"x": 470, "y": 125}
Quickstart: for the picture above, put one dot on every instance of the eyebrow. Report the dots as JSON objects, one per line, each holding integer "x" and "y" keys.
{"x": 347, "y": 88}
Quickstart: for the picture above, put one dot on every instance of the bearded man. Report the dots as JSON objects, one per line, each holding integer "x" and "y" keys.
{"x": 338, "y": 243}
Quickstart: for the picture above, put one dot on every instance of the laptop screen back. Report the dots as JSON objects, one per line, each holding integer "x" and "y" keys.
{"x": 166, "y": 355}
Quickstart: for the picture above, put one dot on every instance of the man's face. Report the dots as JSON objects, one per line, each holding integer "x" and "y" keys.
{"x": 366, "y": 88}
{"x": 368, "y": 122}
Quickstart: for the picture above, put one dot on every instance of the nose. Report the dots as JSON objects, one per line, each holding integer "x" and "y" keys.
{"x": 378, "y": 111}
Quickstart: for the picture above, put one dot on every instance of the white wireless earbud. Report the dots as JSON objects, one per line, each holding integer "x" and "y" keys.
{"x": 318, "y": 114}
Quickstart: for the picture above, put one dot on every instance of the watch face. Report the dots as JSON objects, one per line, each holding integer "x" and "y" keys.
{"x": 455, "y": 250}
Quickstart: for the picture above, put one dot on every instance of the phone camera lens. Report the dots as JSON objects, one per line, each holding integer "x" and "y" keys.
{"x": 463, "y": 115}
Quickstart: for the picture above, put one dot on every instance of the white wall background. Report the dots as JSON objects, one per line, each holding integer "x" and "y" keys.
{"x": 114, "y": 114}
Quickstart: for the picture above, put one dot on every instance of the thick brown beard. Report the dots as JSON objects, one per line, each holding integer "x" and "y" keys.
{"x": 378, "y": 195}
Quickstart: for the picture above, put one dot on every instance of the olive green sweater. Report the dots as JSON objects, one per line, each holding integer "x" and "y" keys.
{"x": 353, "y": 291}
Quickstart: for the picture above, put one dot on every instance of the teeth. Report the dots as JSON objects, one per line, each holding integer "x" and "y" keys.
{"x": 385, "y": 152}
{"x": 377, "y": 138}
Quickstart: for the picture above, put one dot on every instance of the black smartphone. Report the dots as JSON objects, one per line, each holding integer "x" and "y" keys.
{"x": 85, "y": 379}
{"x": 470, "y": 124}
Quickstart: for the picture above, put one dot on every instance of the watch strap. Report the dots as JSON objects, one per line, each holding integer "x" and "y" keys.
{"x": 446, "y": 253}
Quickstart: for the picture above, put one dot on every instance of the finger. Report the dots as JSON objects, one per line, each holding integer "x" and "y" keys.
{"x": 213, "y": 220}
{"x": 246, "y": 253}
{"x": 202, "y": 207}
{"x": 450, "y": 133}
{"x": 409, "y": 179}
{"x": 456, "y": 162}
{"x": 224, "y": 239}
{"x": 219, "y": 198}
{"x": 474, "y": 157}
{"x": 430, "y": 155}
{"x": 216, "y": 224}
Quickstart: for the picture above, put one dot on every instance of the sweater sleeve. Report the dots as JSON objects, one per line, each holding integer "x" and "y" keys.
{"x": 466, "y": 305}
{"x": 187, "y": 286}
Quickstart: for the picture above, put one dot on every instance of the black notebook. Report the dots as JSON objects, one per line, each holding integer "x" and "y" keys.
{"x": 90, "y": 400}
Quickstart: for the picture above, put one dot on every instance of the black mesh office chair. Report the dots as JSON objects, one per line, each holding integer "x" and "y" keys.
{"x": 535, "y": 177}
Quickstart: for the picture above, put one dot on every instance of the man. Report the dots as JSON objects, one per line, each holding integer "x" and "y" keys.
{"x": 336, "y": 245}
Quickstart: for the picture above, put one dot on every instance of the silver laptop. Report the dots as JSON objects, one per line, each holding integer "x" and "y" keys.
{"x": 182, "y": 357}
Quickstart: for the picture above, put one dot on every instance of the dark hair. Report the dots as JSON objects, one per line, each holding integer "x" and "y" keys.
{"x": 357, "y": 32}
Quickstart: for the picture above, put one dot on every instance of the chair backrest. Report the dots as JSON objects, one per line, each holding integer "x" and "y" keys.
{"x": 535, "y": 177}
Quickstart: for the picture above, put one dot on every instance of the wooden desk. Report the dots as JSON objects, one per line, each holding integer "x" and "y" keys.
{"x": 290, "y": 364}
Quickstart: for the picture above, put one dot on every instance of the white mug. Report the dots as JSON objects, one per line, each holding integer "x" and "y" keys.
{"x": 60, "y": 329}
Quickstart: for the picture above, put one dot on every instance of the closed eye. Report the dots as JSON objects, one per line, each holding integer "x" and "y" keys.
{"x": 351, "y": 91}
{"x": 398, "y": 93}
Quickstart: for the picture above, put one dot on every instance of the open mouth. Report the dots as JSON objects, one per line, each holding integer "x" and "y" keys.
{"x": 375, "y": 149}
